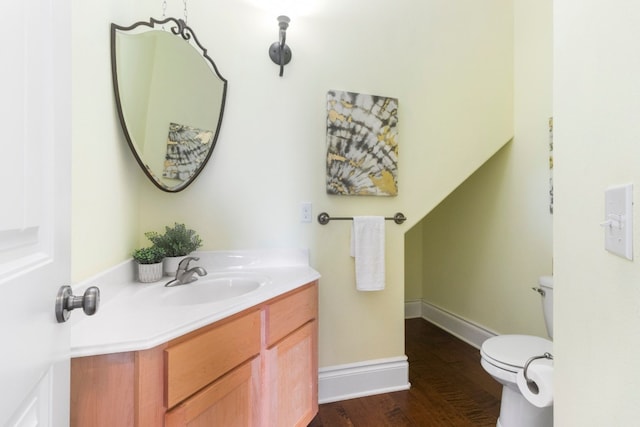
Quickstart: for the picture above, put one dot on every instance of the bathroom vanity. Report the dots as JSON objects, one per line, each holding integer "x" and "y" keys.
{"x": 251, "y": 361}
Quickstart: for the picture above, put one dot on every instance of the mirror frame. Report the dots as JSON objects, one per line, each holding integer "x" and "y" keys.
{"x": 179, "y": 28}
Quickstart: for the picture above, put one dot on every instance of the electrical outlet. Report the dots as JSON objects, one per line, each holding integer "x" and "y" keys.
{"x": 305, "y": 212}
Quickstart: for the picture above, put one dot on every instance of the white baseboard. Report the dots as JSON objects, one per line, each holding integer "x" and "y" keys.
{"x": 468, "y": 331}
{"x": 367, "y": 378}
{"x": 412, "y": 309}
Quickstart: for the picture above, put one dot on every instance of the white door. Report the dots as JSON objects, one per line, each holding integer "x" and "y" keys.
{"x": 35, "y": 163}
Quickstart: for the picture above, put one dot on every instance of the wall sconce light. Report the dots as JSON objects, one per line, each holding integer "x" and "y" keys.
{"x": 279, "y": 52}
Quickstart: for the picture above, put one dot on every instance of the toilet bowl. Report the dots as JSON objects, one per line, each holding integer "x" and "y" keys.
{"x": 503, "y": 356}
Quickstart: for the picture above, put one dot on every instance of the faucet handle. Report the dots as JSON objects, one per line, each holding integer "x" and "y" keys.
{"x": 184, "y": 264}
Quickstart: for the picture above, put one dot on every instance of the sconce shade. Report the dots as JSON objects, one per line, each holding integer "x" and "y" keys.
{"x": 279, "y": 52}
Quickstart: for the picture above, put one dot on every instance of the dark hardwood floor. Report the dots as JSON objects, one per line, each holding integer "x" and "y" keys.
{"x": 449, "y": 388}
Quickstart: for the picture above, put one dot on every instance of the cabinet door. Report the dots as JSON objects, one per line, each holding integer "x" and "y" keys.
{"x": 291, "y": 379}
{"x": 231, "y": 401}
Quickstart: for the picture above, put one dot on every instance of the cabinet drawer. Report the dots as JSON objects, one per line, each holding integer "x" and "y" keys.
{"x": 288, "y": 314}
{"x": 204, "y": 356}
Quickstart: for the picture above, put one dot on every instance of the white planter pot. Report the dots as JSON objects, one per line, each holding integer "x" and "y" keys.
{"x": 148, "y": 273}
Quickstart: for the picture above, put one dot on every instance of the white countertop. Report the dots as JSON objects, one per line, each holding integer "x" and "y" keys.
{"x": 138, "y": 316}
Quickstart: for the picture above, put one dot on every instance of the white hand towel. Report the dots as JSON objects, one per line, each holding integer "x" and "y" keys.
{"x": 367, "y": 246}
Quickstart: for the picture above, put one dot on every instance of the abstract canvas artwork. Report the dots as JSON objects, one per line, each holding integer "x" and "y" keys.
{"x": 187, "y": 148}
{"x": 362, "y": 146}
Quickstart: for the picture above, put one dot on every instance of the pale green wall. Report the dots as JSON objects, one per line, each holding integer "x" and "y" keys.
{"x": 597, "y": 295}
{"x": 450, "y": 65}
{"x": 413, "y": 257}
{"x": 485, "y": 245}
{"x": 105, "y": 180}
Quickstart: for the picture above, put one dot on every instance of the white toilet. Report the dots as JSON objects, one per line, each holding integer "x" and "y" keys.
{"x": 504, "y": 355}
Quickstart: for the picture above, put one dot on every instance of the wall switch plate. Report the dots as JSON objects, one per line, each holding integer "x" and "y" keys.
{"x": 618, "y": 220}
{"x": 305, "y": 212}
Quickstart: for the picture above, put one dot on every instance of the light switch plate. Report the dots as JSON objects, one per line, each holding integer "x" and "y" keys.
{"x": 305, "y": 212}
{"x": 618, "y": 223}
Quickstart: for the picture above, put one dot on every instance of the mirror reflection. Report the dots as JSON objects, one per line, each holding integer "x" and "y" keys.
{"x": 170, "y": 98}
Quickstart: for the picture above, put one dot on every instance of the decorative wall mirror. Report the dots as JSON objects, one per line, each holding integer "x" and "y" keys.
{"x": 170, "y": 99}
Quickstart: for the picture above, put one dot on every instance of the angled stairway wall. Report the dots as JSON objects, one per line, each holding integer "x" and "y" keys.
{"x": 479, "y": 252}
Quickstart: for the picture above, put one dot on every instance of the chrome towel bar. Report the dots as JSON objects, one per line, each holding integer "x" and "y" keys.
{"x": 324, "y": 218}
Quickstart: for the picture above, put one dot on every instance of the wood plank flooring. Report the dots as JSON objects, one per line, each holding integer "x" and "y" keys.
{"x": 449, "y": 388}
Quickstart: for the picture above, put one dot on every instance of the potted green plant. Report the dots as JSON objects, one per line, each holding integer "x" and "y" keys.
{"x": 149, "y": 263}
{"x": 177, "y": 241}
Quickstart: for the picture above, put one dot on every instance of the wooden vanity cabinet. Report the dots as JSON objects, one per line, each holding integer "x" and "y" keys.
{"x": 256, "y": 368}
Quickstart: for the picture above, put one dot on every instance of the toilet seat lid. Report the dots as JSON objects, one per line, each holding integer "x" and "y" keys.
{"x": 511, "y": 352}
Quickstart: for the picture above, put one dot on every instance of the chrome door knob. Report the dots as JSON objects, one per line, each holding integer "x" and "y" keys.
{"x": 66, "y": 301}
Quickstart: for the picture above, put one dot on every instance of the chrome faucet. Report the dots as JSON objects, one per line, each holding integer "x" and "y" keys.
{"x": 184, "y": 274}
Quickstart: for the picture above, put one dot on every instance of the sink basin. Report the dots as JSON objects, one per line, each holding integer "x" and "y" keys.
{"x": 214, "y": 287}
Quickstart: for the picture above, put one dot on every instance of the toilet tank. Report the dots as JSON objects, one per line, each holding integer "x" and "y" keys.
{"x": 546, "y": 284}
